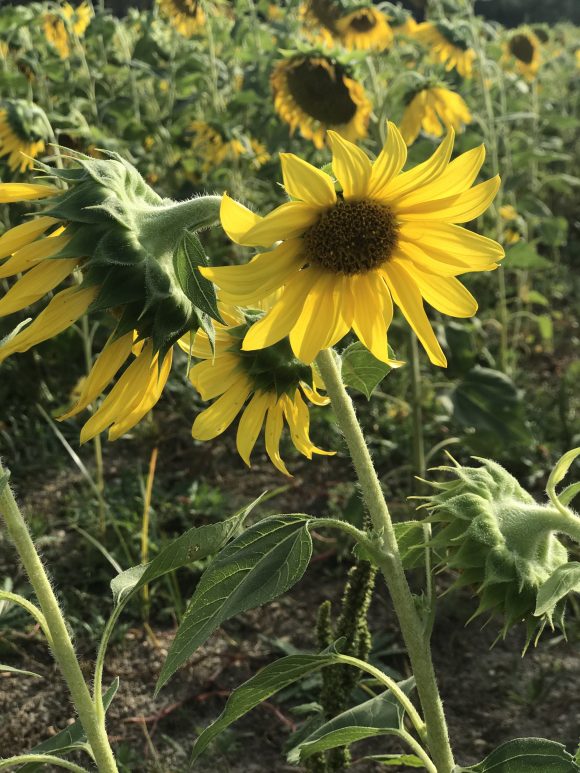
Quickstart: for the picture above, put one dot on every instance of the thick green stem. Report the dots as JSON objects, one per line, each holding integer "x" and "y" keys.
{"x": 62, "y": 646}
{"x": 391, "y": 566}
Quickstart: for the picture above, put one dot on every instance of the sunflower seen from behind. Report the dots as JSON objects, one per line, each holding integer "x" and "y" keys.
{"x": 433, "y": 109}
{"x": 343, "y": 257}
{"x": 24, "y": 131}
{"x": 268, "y": 387}
{"x": 448, "y": 44}
{"x": 314, "y": 93}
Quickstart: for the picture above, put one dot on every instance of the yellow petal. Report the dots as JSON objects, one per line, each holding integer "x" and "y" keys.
{"x": 317, "y": 319}
{"x": 408, "y": 298}
{"x": 64, "y": 309}
{"x": 446, "y": 294}
{"x": 250, "y": 424}
{"x": 236, "y": 219}
{"x": 298, "y": 418}
{"x": 282, "y": 317}
{"x": 441, "y": 263}
{"x": 218, "y": 417}
{"x": 23, "y": 234}
{"x": 273, "y": 432}
{"x": 389, "y": 163}
{"x": 455, "y": 209}
{"x": 11, "y": 192}
{"x": 106, "y": 366}
{"x": 32, "y": 254}
{"x": 212, "y": 378}
{"x": 284, "y": 222}
{"x": 351, "y": 166}
{"x": 255, "y": 280}
{"x": 423, "y": 173}
{"x": 306, "y": 183}
{"x": 314, "y": 397}
{"x": 373, "y": 310}
{"x": 35, "y": 284}
{"x": 444, "y": 240}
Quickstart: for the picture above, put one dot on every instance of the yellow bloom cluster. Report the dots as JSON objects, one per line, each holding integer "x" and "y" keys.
{"x": 57, "y": 26}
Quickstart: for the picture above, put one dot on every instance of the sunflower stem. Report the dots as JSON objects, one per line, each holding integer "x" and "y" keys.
{"x": 61, "y": 644}
{"x": 391, "y": 566}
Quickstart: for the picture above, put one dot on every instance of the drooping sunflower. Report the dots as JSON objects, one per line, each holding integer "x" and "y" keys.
{"x": 56, "y": 26}
{"x": 523, "y": 49}
{"x": 448, "y": 45}
{"x": 364, "y": 28}
{"x": 343, "y": 258}
{"x": 432, "y": 108}
{"x": 271, "y": 383}
{"x": 315, "y": 93}
{"x": 127, "y": 244}
{"x": 24, "y": 130}
{"x": 186, "y": 16}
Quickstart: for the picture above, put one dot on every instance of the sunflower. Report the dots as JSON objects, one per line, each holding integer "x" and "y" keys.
{"x": 271, "y": 383}
{"x": 512, "y": 233}
{"x": 24, "y": 129}
{"x": 56, "y": 26}
{"x": 126, "y": 242}
{"x": 365, "y": 28}
{"x": 212, "y": 147}
{"x": 342, "y": 259}
{"x": 315, "y": 93}
{"x": 448, "y": 45}
{"x": 524, "y": 48}
{"x": 186, "y": 16}
{"x": 432, "y": 108}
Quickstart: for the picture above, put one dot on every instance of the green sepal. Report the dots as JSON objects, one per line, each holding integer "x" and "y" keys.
{"x": 187, "y": 258}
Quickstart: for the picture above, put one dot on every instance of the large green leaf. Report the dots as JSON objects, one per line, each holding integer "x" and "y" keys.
{"x": 71, "y": 737}
{"x": 565, "y": 579}
{"x": 188, "y": 257}
{"x": 261, "y": 564}
{"x": 527, "y": 755}
{"x": 361, "y": 370}
{"x": 525, "y": 256}
{"x": 268, "y": 681}
{"x": 378, "y": 716}
{"x": 195, "y": 544}
{"x": 411, "y": 541}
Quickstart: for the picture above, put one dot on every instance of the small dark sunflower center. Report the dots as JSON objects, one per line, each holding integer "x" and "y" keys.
{"x": 321, "y": 92}
{"x": 522, "y": 48}
{"x": 363, "y": 22}
{"x": 352, "y": 238}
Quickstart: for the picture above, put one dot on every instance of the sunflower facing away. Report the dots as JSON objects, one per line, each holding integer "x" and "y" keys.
{"x": 124, "y": 239}
{"x": 448, "y": 45}
{"x": 271, "y": 383}
{"x": 432, "y": 108}
{"x": 56, "y": 26}
{"x": 523, "y": 47}
{"x": 24, "y": 130}
{"x": 343, "y": 259}
{"x": 315, "y": 93}
{"x": 186, "y": 16}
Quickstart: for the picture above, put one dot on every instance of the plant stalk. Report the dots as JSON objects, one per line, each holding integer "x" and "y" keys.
{"x": 61, "y": 645}
{"x": 391, "y": 566}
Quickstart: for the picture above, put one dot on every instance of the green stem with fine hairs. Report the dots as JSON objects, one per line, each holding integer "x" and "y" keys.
{"x": 390, "y": 564}
{"x": 61, "y": 644}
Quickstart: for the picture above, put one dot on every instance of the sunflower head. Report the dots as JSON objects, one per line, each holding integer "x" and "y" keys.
{"x": 524, "y": 48}
{"x": 57, "y": 26}
{"x": 365, "y": 28}
{"x": 271, "y": 383}
{"x": 448, "y": 44}
{"x": 24, "y": 130}
{"x": 314, "y": 93}
{"x": 433, "y": 108}
{"x": 500, "y": 540}
{"x": 186, "y": 16}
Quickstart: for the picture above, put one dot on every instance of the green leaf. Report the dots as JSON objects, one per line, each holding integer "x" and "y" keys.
{"x": 565, "y": 579}
{"x": 361, "y": 370}
{"x": 524, "y": 256}
{"x": 261, "y": 564}
{"x": 69, "y": 738}
{"x": 568, "y": 494}
{"x": 562, "y": 466}
{"x": 268, "y": 681}
{"x": 195, "y": 544}
{"x": 12, "y": 670}
{"x": 527, "y": 755}
{"x": 378, "y": 716}
{"x": 411, "y": 542}
{"x": 407, "y": 760}
{"x": 187, "y": 258}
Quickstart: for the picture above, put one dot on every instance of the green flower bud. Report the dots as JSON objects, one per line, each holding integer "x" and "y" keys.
{"x": 500, "y": 540}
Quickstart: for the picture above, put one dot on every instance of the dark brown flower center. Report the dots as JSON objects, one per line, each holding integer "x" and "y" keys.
{"x": 321, "y": 92}
{"x": 353, "y": 237}
{"x": 187, "y": 7}
{"x": 522, "y": 48}
{"x": 363, "y": 22}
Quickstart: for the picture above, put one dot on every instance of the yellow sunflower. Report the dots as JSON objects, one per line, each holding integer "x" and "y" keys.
{"x": 315, "y": 93}
{"x": 343, "y": 259}
{"x": 270, "y": 383}
{"x": 186, "y": 16}
{"x": 56, "y": 26}
{"x": 212, "y": 147}
{"x": 448, "y": 45}
{"x": 431, "y": 109}
{"x": 524, "y": 49}
{"x": 24, "y": 130}
{"x": 365, "y": 28}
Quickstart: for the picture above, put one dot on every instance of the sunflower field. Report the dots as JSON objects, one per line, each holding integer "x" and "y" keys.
{"x": 289, "y": 408}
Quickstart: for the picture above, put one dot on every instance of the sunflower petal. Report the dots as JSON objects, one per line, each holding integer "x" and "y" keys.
{"x": 461, "y": 208}
{"x": 305, "y": 182}
{"x": 218, "y": 417}
{"x": 445, "y": 241}
{"x": 273, "y": 433}
{"x": 298, "y": 418}
{"x": 351, "y": 166}
{"x": 284, "y": 222}
{"x": 35, "y": 284}
{"x": 11, "y": 192}
{"x": 212, "y": 378}
{"x": 250, "y": 424}
{"x": 236, "y": 219}
{"x": 389, "y": 162}
{"x": 446, "y": 294}
{"x": 423, "y": 173}
{"x": 24, "y": 234}
{"x": 317, "y": 319}
{"x": 372, "y": 311}
{"x": 32, "y": 254}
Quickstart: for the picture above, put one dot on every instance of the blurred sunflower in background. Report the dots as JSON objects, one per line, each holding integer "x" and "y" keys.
{"x": 212, "y": 147}
{"x": 448, "y": 45}
{"x": 314, "y": 93}
{"x": 186, "y": 16}
{"x": 364, "y": 28}
{"x": 342, "y": 259}
{"x": 433, "y": 108}
{"x": 523, "y": 49}
{"x": 24, "y": 131}
{"x": 271, "y": 383}
{"x": 56, "y": 26}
